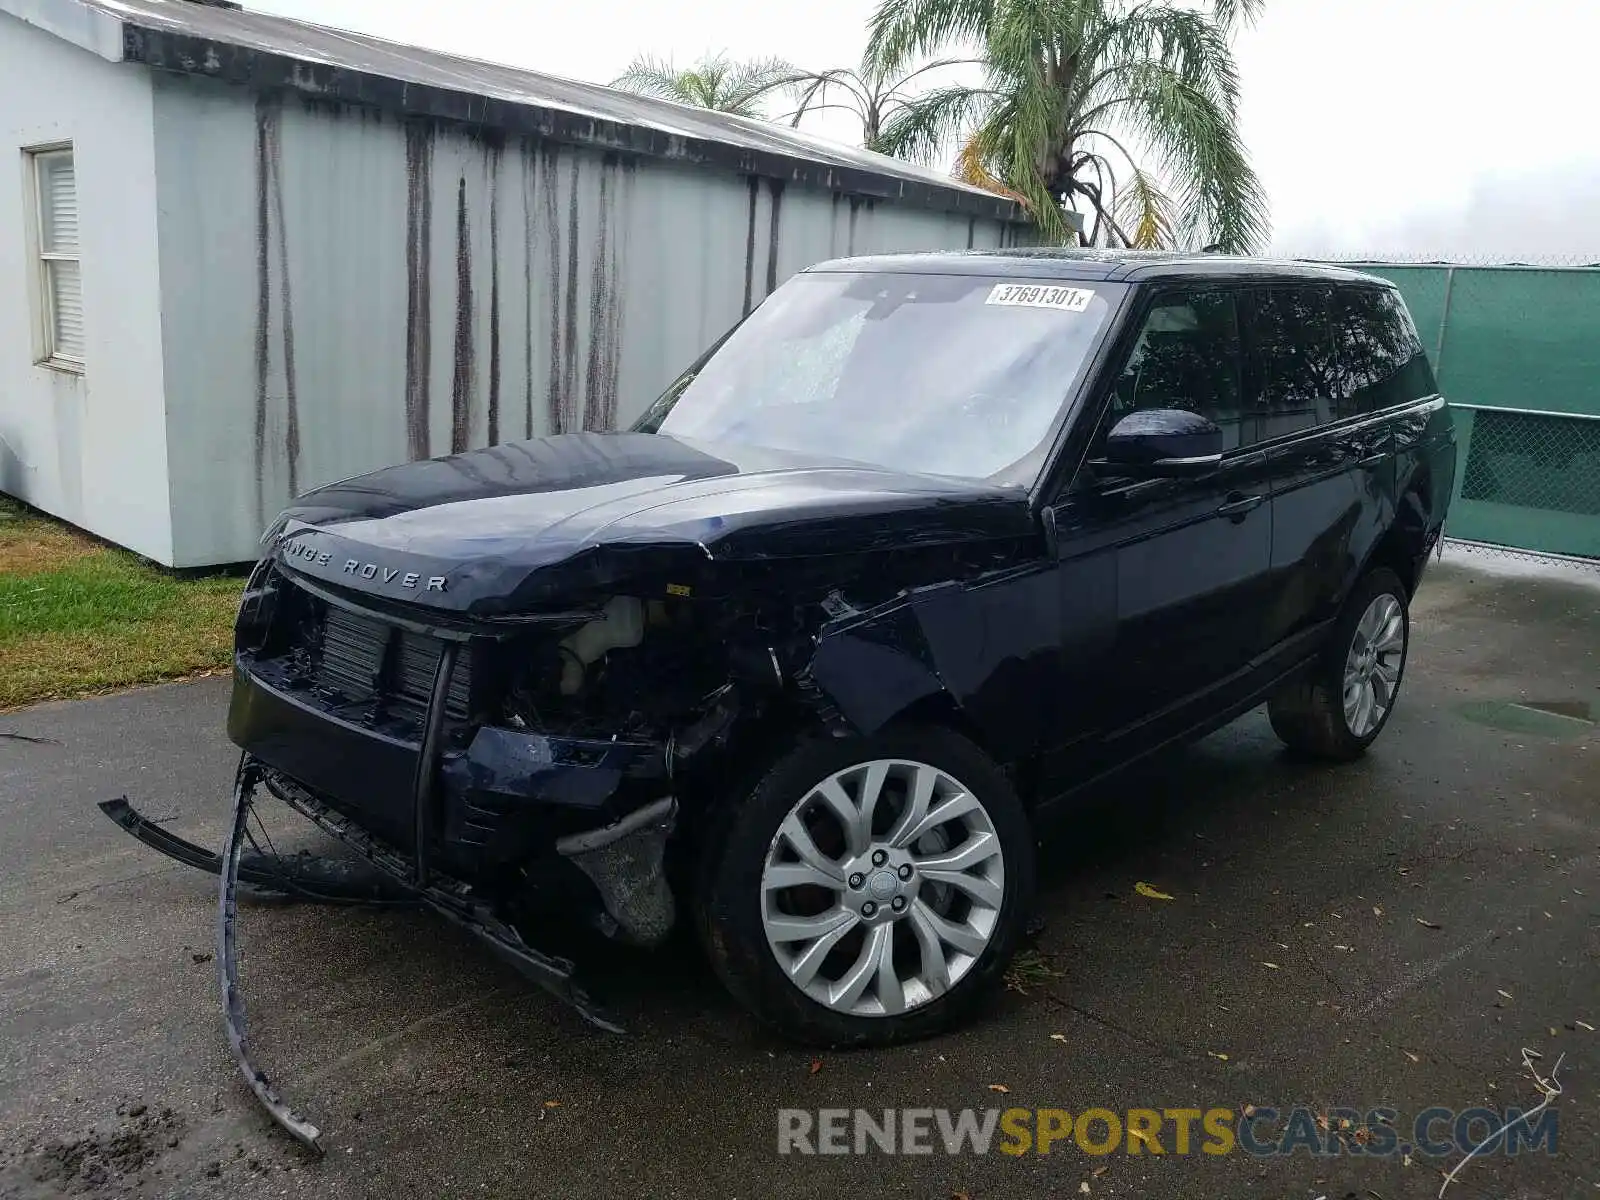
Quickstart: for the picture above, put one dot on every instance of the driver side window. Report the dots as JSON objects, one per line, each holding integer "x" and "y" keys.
{"x": 1187, "y": 356}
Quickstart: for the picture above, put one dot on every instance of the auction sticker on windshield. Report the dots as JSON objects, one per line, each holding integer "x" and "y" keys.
{"x": 1033, "y": 295}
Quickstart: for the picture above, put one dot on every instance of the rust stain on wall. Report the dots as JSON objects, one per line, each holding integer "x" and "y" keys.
{"x": 775, "y": 190}
{"x": 570, "y": 417}
{"x": 552, "y": 223}
{"x": 291, "y": 434}
{"x": 270, "y": 220}
{"x": 463, "y": 368}
{"x": 494, "y": 292}
{"x": 419, "y": 241}
{"x": 263, "y": 303}
{"x": 528, "y": 183}
{"x": 750, "y": 244}
{"x": 606, "y": 297}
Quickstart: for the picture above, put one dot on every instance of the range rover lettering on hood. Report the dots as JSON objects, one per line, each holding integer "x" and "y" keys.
{"x": 376, "y": 572}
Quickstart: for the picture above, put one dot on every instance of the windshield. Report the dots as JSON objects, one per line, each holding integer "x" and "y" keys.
{"x": 937, "y": 374}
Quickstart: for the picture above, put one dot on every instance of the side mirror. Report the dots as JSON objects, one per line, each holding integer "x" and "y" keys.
{"x": 1163, "y": 442}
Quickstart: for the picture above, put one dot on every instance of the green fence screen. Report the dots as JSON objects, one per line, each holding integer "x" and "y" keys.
{"x": 1517, "y": 352}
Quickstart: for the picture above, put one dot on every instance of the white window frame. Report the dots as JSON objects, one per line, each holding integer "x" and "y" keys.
{"x": 46, "y": 352}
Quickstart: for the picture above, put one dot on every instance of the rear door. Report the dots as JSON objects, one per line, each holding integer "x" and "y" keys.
{"x": 1330, "y": 461}
{"x": 1185, "y": 559}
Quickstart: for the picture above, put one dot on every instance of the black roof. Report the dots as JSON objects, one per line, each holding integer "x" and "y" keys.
{"x": 202, "y": 37}
{"x": 1131, "y": 266}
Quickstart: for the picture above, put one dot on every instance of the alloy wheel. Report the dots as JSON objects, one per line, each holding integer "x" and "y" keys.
{"x": 1372, "y": 666}
{"x": 882, "y": 887}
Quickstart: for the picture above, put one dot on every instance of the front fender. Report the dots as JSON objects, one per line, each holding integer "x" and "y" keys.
{"x": 989, "y": 649}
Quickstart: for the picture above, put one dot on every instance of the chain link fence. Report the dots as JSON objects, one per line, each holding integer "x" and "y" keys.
{"x": 1534, "y": 460}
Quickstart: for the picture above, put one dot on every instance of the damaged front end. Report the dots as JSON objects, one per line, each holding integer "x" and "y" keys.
{"x": 527, "y": 733}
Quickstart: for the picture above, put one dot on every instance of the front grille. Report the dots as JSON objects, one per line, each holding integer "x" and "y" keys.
{"x": 362, "y": 666}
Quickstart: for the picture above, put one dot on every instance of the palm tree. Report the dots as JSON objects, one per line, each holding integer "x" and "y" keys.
{"x": 715, "y": 82}
{"x": 1072, "y": 90}
{"x": 874, "y": 95}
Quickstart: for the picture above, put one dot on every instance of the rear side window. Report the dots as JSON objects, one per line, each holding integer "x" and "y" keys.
{"x": 1292, "y": 359}
{"x": 1381, "y": 360}
{"x": 1187, "y": 356}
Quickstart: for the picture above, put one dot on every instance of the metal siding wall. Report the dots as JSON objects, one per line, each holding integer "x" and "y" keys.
{"x": 345, "y": 290}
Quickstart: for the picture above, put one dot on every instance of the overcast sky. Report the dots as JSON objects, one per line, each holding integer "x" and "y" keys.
{"x": 1425, "y": 127}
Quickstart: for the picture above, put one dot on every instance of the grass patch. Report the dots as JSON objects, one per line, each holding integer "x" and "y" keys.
{"x": 78, "y": 617}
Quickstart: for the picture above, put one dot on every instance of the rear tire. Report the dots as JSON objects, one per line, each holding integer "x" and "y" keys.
{"x": 825, "y": 907}
{"x": 1340, "y": 705}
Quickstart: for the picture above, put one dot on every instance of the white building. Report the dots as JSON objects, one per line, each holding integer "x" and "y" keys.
{"x": 241, "y": 256}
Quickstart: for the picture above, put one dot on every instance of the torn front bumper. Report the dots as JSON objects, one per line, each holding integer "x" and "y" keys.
{"x": 492, "y": 801}
{"x": 574, "y": 821}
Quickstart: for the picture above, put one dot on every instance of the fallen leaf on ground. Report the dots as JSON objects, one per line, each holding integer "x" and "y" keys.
{"x": 1322, "y": 1124}
{"x": 1504, "y": 993}
{"x": 552, "y": 1104}
{"x": 1274, "y": 966}
{"x": 1249, "y": 1111}
{"x": 998, "y": 1087}
{"x": 1214, "y": 1054}
{"x": 816, "y": 1065}
{"x": 1411, "y": 1056}
{"x": 1341, "y": 947}
{"x": 1427, "y": 924}
{"x": 1084, "y": 1187}
{"x": 960, "y": 1196}
{"x": 1058, "y": 1037}
{"x": 1584, "y": 1025}
{"x": 1553, "y": 1031}
{"x": 1150, "y": 893}
{"x": 1099, "y": 1171}
{"x": 1376, "y": 911}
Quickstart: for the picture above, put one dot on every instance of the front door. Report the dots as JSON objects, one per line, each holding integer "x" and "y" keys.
{"x": 1184, "y": 560}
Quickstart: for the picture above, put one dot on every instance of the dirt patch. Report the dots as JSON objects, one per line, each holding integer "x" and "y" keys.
{"x": 107, "y": 1161}
{"x": 28, "y": 547}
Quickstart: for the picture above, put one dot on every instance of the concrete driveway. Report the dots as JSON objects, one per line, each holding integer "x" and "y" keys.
{"x": 1430, "y": 911}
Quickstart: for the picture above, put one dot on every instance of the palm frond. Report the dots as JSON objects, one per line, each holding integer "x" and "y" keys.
{"x": 925, "y": 126}
{"x": 901, "y": 31}
{"x": 747, "y": 83}
{"x": 1145, "y": 211}
{"x": 1219, "y": 196}
{"x": 1230, "y": 14}
{"x": 715, "y": 82}
{"x": 973, "y": 167}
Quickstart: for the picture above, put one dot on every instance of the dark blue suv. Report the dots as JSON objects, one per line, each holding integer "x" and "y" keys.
{"x": 923, "y": 546}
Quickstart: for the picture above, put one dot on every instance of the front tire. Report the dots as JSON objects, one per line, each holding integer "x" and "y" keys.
{"x": 870, "y": 890}
{"x": 1338, "y": 708}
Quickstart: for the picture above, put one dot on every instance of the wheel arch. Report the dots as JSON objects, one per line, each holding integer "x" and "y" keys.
{"x": 1406, "y": 542}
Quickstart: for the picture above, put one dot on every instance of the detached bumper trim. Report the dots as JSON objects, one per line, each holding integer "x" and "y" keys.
{"x": 626, "y": 862}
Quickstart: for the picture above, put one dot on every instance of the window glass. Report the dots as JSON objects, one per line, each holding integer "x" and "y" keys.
{"x": 60, "y": 292}
{"x": 1293, "y": 359}
{"x": 1381, "y": 360}
{"x": 1187, "y": 356}
{"x": 942, "y": 374}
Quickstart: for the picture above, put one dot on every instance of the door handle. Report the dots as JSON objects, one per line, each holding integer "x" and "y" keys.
{"x": 1238, "y": 505}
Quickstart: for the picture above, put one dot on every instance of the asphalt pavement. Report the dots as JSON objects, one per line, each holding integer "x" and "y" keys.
{"x": 1391, "y": 933}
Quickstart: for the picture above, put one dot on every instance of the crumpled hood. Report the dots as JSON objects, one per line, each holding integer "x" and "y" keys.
{"x": 523, "y": 524}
